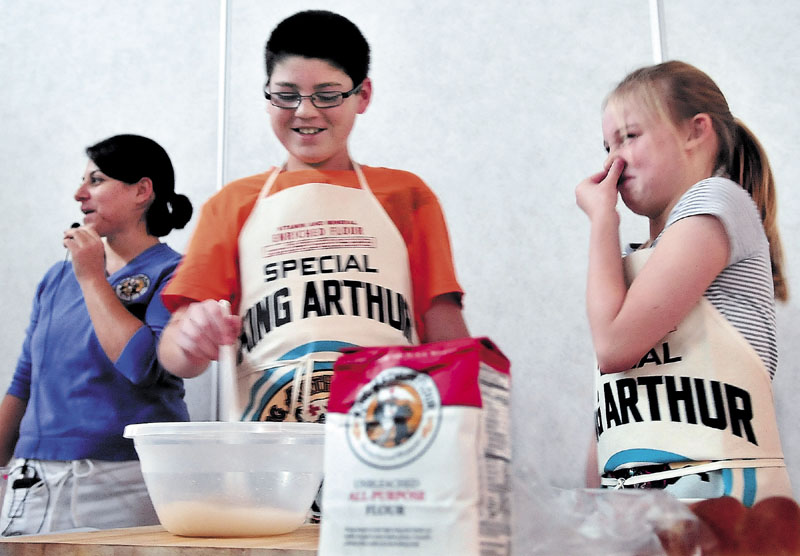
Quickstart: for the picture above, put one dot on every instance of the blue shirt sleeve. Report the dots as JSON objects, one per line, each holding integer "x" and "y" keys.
{"x": 138, "y": 361}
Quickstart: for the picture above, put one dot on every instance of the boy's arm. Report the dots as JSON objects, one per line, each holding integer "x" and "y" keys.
{"x": 444, "y": 320}
{"x": 193, "y": 336}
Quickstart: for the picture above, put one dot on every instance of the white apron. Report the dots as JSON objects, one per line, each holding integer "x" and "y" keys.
{"x": 323, "y": 267}
{"x": 700, "y": 402}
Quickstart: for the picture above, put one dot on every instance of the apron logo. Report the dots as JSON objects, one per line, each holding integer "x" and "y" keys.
{"x": 270, "y": 389}
{"x": 132, "y": 287}
{"x": 394, "y": 419}
{"x": 277, "y": 408}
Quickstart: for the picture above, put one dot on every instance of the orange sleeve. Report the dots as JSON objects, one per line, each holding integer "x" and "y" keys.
{"x": 416, "y": 212}
{"x": 210, "y": 267}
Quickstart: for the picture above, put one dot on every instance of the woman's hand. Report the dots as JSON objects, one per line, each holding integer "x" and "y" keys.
{"x": 597, "y": 194}
{"x": 113, "y": 324}
{"x": 88, "y": 253}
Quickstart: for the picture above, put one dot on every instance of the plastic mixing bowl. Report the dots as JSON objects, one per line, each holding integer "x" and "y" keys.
{"x": 230, "y": 479}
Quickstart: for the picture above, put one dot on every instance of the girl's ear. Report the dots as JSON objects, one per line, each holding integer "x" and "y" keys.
{"x": 700, "y": 129}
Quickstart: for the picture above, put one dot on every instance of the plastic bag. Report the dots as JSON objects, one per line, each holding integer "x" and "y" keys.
{"x": 602, "y": 522}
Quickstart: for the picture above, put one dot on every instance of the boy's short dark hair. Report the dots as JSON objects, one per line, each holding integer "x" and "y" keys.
{"x": 320, "y": 34}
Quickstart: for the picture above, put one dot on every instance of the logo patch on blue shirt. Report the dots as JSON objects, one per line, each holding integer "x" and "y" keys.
{"x": 133, "y": 287}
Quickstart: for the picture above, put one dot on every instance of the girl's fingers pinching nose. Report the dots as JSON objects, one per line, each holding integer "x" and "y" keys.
{"x": 615, "y": 170}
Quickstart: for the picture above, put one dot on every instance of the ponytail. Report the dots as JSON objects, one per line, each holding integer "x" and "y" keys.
{"x": 678, "y": 91}
{"x": 164, "y": 216}
{"x": 750, "y": 168}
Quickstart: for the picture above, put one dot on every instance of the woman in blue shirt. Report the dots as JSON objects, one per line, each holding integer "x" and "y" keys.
{"x": 88, "y": 365}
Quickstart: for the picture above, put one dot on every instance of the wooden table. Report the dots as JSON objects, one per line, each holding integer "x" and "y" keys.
{"x": 155, "y": 541}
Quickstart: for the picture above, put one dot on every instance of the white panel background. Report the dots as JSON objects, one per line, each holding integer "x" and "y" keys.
{"x": 72, "y": 73}
{"x": 497, "y": 108}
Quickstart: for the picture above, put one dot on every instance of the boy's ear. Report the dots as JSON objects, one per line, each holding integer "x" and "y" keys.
{"x": 364, "y": 95}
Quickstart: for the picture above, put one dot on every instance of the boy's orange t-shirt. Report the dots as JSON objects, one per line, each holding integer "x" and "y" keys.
{"x": 210, "y": 268}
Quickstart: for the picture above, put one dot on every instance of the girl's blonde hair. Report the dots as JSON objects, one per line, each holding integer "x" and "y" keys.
{"x": 678, "y": 91}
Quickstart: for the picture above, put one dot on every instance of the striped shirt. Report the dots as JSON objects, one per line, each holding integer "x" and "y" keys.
{"x": 743, "y": 291}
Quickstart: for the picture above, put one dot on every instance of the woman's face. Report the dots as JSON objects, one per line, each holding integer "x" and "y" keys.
{"x": 108, "y": 205}
{"x": 650, "y": 147}
{"x": 315, "y": 137}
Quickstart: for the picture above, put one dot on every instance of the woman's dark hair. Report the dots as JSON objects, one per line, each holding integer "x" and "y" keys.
{"x": 129, "y": 158}
{"x": 320, "y": 34}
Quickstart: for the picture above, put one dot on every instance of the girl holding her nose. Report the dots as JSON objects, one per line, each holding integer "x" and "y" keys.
{"x": 683, "y": 326}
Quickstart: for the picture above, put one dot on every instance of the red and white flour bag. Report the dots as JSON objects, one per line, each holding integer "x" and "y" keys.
{"x": 418, "y": 451}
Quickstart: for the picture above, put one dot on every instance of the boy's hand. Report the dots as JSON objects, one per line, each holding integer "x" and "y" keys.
{"x": 203, "y": 327}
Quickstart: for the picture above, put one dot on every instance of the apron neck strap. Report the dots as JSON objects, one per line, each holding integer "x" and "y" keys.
{"x": 270, "y": 182}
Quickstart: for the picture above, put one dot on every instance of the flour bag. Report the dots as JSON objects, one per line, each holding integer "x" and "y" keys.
{"x": 417, "y": 451}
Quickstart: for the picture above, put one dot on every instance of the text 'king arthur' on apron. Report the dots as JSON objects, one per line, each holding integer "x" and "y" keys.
{"x": 323, "y": 267}
{"x": 702, "y": 394}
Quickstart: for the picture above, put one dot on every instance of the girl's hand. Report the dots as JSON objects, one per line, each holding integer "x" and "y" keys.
{"x": 597, "y": 194}
{"x": 88, "y": 253}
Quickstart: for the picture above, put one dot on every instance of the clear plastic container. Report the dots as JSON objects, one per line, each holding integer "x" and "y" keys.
{"x": 230, "y": 479}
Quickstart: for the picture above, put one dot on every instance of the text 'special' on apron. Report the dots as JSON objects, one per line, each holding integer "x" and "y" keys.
{"x": 323, "y": 267}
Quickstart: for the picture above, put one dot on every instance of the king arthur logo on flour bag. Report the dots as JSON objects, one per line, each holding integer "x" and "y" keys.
{"x": 383, "y": 422}
{"x": 417, "y": 451}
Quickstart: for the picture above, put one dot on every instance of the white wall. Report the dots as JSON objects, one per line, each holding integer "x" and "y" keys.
{"x": 75, "y": 72}
{"x": 497, "y": 108}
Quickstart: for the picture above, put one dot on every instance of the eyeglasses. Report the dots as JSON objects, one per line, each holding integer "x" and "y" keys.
{"x": 322, "y": 99}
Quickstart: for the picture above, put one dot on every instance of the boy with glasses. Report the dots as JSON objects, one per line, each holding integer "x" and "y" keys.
{"x": 314, "y": 256}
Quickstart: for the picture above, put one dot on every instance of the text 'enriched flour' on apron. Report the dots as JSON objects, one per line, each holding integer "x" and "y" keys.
{"x": 417, "y": 451}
